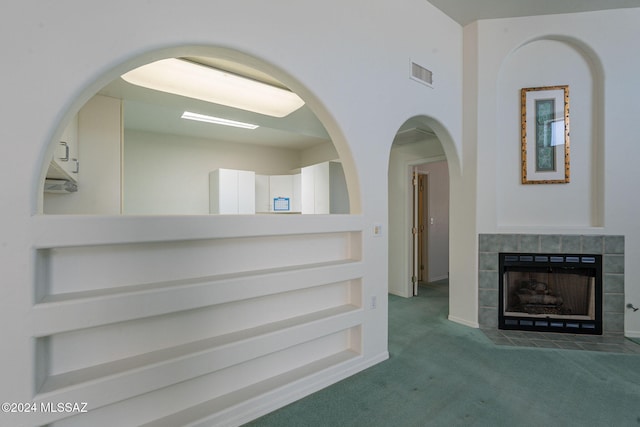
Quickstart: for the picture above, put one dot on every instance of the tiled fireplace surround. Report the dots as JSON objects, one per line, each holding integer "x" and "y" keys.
{"x": 611, "y": 248}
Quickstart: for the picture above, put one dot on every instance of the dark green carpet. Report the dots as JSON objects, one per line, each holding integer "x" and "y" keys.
{"x": 444, "y": 374}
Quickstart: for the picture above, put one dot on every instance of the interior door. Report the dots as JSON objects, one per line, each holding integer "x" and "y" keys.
{"x": 423, "y": 209}
{"x": 419, "y": 231}
{"x": 415, "y": 264}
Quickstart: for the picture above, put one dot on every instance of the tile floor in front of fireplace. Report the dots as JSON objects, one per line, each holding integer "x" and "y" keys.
{"x": 605, "y": 343}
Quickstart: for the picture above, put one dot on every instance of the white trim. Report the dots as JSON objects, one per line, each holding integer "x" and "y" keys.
{"x": 411, "y": 166}
{"x": 278, "y": 398}
{"x": 632, "y": 334}
{"x": 463, "y": 322}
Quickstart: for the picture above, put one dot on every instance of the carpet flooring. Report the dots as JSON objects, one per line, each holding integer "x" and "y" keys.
{"x": 444, "y": 374}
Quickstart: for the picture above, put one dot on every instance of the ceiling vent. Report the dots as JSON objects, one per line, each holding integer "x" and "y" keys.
{"x": 421, "y": 74}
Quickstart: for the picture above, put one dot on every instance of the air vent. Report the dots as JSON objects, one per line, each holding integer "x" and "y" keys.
{"x": 421, "y": 74}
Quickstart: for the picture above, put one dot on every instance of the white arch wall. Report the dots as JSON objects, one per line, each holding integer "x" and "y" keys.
{"x": 601, "y": 70}
{"x": 310, "y": 321}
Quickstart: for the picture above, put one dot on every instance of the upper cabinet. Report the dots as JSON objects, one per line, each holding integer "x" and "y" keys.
{"x": 324, "y": 189}
{"x": 97, "y": 132}
{"x": 64, "y": 164}
{"x": 232, "y": 192}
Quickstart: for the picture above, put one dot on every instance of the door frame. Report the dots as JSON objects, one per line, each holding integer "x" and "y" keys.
{"x": 411, "y": 166}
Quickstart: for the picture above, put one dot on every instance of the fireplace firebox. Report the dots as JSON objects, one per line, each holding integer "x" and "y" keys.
{"x": 550, "y": 293}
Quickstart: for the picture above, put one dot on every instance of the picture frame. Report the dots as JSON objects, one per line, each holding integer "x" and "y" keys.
{"x": 545, "y": 135}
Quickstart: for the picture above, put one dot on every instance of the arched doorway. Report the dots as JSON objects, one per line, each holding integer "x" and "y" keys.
{"x": 418, "y": 208}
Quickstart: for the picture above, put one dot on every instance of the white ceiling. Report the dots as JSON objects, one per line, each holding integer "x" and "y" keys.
{"x": 467, "y": 11}
{"x": 153, "y": 111}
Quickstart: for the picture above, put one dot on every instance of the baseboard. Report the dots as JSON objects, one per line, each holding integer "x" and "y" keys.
{"x": 464, "y": 322}
{"x": 632, "y": 334}
{"x": 282, "y": 396}
{"x": 438, "y": 278}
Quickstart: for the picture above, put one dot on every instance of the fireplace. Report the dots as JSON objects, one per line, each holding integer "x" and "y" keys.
{"x": 550, "y": 292}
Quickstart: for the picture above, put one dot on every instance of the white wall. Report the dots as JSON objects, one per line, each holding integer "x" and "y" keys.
{"x": 318, "y": 154}
{"x": 573, "y": 204}
{"x": 167, "y": 174}
{"x": 590, "y": 52}
{"x": 355, "y": 78}
{"x": 338, "y": 193}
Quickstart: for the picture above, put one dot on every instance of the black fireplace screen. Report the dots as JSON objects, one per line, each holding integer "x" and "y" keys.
{"x": 554, "y": 293}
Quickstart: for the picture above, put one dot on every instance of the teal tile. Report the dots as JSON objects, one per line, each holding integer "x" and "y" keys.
{"x": 571, "y": 244}
{"x": 613, "y": 303}
{"x": 508, "y": 243}
{"x": 550, "y": 244}
{"x": 488, "y": 261}
{"x": 489, "y": 243}
{"x": 568, "y": 345}
{"x": 488, "y": 317}
{"x": 544, "y": 343}
{"x": 529, "y": 243}
{"x": 613, "y": 322}
{"x": 614, "y": 244}
{"x": 613, "y": 264}
{"x": 488, "y": 298}
{"x": 592, "y": 244}
{"x": 613, "y": 283}
{"x": 488, "y": 280}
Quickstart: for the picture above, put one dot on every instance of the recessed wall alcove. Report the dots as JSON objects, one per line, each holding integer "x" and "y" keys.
{"x": 579, "y": 203}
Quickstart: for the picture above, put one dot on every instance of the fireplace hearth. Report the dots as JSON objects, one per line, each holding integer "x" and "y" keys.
{"x": 550, "y": 292}
{"x": 611, "y": 248}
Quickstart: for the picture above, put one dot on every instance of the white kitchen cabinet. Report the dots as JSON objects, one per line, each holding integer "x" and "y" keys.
{"x": 315, "y": 189}
{"x": 64, "y": 164}
{"x": 324, "y": 189}
{"x": 232, "y": 192}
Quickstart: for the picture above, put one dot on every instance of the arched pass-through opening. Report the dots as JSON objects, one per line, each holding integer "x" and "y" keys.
{"x": 129, "y": 146}
{"x": 168, "y": 302}
{"x": 419, "y": 173}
